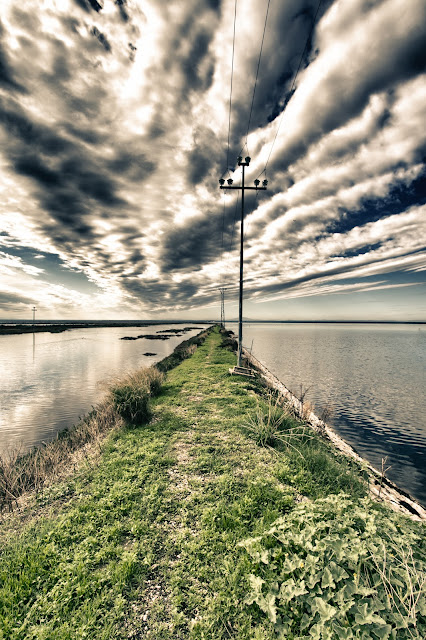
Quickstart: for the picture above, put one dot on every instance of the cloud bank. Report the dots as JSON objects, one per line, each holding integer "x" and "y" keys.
{"x": 114, "y": 129}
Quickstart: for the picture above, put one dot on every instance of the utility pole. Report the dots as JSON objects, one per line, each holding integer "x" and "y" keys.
{"x": 222, "y": 308}
{"x": 243, "y": 188}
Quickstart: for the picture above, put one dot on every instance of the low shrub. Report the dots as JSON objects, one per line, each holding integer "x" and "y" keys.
{"x": 228, "y": 340}
{"x": 131, "y": 396}
{"x": 340, "y": 569}
{"x": 131, "y": 403}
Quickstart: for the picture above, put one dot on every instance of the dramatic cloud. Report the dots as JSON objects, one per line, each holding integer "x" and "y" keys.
{"x": 114, "y": 128}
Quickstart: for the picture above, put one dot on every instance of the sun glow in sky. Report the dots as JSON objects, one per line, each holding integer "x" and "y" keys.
{"x": 114, "y": 133}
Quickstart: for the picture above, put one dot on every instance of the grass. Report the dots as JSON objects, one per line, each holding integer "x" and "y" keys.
{"x": 144, "y": 542}
{"x": 24, "y": 471}
{"x": 128, "y": 398}
{"x": 131, "y": 396}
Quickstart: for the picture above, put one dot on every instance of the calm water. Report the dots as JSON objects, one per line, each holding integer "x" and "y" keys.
{"x": 48, "y": 380}
{"x": 373, "y": 377}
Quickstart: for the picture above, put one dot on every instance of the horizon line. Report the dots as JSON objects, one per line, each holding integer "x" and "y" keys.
{"x": 208, "y": 321}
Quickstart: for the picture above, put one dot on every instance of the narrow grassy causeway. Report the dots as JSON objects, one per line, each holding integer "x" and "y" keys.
{"x": 144, "y": 542}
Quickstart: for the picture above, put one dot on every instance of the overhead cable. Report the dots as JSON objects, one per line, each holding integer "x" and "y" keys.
{"x": 230, "y": 92}
{"x": 293, "y": 85}
{"x": 257, "y": 71}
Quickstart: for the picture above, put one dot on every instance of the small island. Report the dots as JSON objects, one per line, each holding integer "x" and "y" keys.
{"x": 164, "y": 334}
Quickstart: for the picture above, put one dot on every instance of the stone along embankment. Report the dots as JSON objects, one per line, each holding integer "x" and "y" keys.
{"x": 380, "y": 486}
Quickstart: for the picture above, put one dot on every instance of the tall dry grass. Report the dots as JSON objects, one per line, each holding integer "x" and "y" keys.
{"x": 29, "y": 471}
{"x": 26, "y": 471}
{"x": 131, "y": 396}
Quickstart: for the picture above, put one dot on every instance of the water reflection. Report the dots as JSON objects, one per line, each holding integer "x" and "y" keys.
{"x": 49, "y": 380}
{"x": 373, "y": 377}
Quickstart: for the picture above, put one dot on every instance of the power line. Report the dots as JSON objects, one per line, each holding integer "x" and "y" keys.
{"x": 229, "y": 123}
{"x": 255, "y": 82}
{"x": 248, "y": 123}
{"x": 230, "y": 92}
{"x": 248, "y": 128}
{"x": 293, "y": 84}
{"x": 257, "y": 71}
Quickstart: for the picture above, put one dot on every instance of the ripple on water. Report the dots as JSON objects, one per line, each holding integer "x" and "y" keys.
{"x": 374, "y": 377}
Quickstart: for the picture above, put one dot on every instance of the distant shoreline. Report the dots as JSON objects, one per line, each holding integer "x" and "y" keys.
{"x": 26, "y": 326}
{"x": 327, "y": 321}
{"x": 15, "y": 327}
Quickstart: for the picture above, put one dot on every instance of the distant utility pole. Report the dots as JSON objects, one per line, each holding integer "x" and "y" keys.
{"x": 222, "y": 308}
{"x": 34, "y": 310}
{"x": 243, "y": 188}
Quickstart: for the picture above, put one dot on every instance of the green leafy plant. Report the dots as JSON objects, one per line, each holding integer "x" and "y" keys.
{"x": 340, "y": 569}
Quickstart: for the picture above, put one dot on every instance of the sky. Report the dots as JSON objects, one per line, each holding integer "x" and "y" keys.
{"x": 117, "y": 120}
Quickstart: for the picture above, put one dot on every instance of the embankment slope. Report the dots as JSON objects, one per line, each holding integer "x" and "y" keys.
{"x": 144, "y": 541}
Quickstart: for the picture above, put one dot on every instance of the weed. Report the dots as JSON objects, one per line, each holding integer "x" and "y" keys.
{"x": 131, "y": 396}
{"x": 338, "y": 568}
{"x": 383, "y": 473}
{"x": 327, "y": 412}
{"x": 403, "y": 579}
{"x": 266, "y": 423}
{"x": 131, "y": 403}
{"x": 271, "y": 424}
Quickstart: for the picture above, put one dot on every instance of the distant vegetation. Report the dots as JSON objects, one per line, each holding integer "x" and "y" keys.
{"x": 166, "y": 334}
{"x": 12, "y": 328}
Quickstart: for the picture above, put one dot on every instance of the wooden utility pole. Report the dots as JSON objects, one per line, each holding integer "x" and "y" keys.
{"x": 243, "y": 188}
